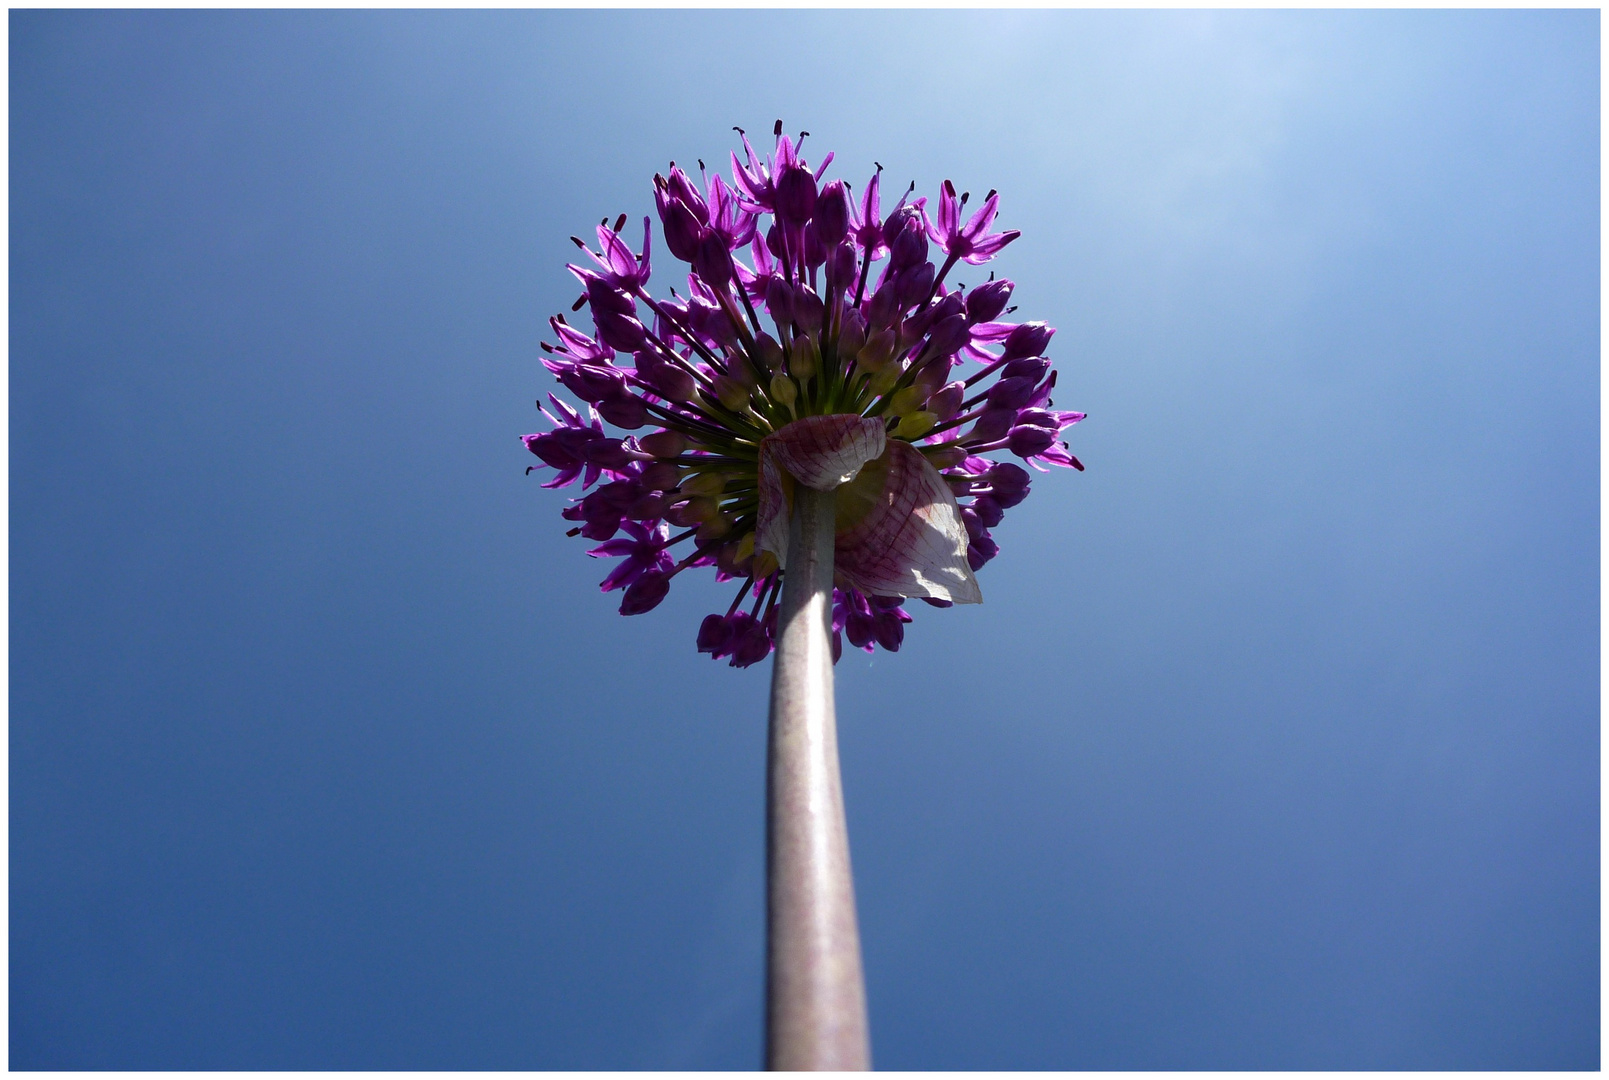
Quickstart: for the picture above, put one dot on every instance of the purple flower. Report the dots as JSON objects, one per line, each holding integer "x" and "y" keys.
{"x": 816, "y": 343}
{"x": 972, "y": 242}
{"x": 644, "y": 550}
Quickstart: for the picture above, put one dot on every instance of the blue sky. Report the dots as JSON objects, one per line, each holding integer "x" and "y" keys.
{"x": 1274, "y": 745}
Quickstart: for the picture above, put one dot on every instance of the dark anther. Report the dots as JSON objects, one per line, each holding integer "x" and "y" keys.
{"x": 1010, "y": 309}
{"x": 700, "y": 164}
{"x": 620, "y": 222}
{"x": 528, "y": 470}
{"x": 737, "y": 129}
{"x": 777, "y": 130}
{"x": 879, "y": 165}
{"x": 991, "y": 275}
{"x": 580, "y": 302}
{"x": 965, "y": 195}
{"x": 561, "y": 319}
{"x": 573, "y": 532}
{"x": 545, "y": 346}
{"x": 991, "y": 194}
{"x": 578, "y": 242}
{"x": 604, "y": 220}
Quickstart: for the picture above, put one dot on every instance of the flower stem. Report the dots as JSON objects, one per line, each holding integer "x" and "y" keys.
{"x": 815, "y": 994}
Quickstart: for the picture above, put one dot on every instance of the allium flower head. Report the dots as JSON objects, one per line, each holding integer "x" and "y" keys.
{"x": 816, "y": 343}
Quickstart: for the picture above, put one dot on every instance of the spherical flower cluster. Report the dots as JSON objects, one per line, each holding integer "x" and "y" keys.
{"x": 788, "y": 360}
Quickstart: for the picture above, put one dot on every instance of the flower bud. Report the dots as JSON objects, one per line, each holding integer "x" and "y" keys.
{"x": 714, "y": 261}
{"x": 987, "y": 301}
{"x": 1032, "y": 366}
{"x": 1012, "y": 393}
{"x": 915, "y": 425}
{"x": 947, "y": 402}
{"x": 948, "y": 458}
{"x": 624, "y": 410}
{"x": 909, "y": 248}
{"x": 897, "y": 221}
{"x": 592, "y": 382}
{"x": 618, "y": 331}
{"x": 605, "y": 297}
{"x": 683, "y": 233}
{"x": 714, "y": 633}
{"x": 1027, "y": 339}
{"x": 664, "y": 443}
{"x": 992, "y": 424}
{"x": 832, "y": 214}
{"x": 884, "y": 307}
{"x": 661, "y": 475}
{"x": 815, "y": 252}
{"x": 915, "y": 284}
{"x": 704, "y": 483}
{"x": 737, "y": 365}
{"x": 670, "y": 381}
{"x": 1028, "y": 440}
{"x": 779, "y": 300}
{"x": 883, "y": 381}
{"x": 808, "y": 310}
{"x": 795, "y": 195}
{"x": 805, "y": 358}
{"x": 907, "y": 400}
{"x": 645, "y": 593}
{"x": 550, "y": 450}
{"x": 701, "y": 509}
{"x": 768, "y": 352}
{"x": 715, "y": 528}
{"x": 980, "y": 551}
{"x": 681, "y": 187}
{"x": 730, "y": 392}
{"x": 988, "y": 510}
{"x": 783, "y": 391}
{"x": 843, "y": 267}
{"x": 878, "y": 350}
{"x": 948, "y": 335}
{"x": 1010, "y": 483}
{"x": 852, "y": 334}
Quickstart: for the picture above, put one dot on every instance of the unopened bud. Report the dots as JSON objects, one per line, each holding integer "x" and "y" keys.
{"x": 906, "y": 401}
{"x": 915, "y": 425}
{"x": 702, "y": 509}
{"x": 947, "y": 458}
{"x": 665, "y": 444}
{"x": 783, "y": 391}
{"x": 882, "y": 382}
{"x": 803, "y": 361}
{"x": 878, "y": 350}
{"x": 732, "y": 394}
{"x": 704, "y": 483}
{"x": 768, "y": 352}
{"x": 715, "y": 527}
